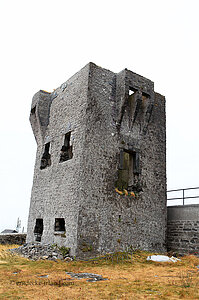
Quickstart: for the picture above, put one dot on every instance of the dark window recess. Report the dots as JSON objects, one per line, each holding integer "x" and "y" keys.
{"x": 133, "y": 106}
{"x": 136, "y": 167}
{"x": 128, "y": 169}
{"x": 137, "y": 105}
{"x": 46, "y": 157}
{"x": 38, "y": 230}
{"x": 33, "y": 110}
{"x": 60, "y": 224}
{"x": 66, "y": 150}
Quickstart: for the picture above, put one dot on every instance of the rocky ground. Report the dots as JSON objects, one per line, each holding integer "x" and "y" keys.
{"x": 35, "y": 251}
{"x": 91, "y": 277}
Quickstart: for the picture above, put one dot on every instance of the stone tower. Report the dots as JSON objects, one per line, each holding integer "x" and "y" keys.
{"x": 100, "y": 172}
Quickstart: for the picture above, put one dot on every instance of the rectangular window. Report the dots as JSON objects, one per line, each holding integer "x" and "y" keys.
{"x": 66, "y": 150}
{"x": 46, "y": 157}
{"x": 128, "y": 169}
{"x": 38, "y": 230}
{"x": 60, "y": 224}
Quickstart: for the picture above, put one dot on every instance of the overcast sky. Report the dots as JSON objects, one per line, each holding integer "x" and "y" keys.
{"x": 43, "y": 43}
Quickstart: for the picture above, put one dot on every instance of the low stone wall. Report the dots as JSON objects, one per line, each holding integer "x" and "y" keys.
{"x": 183, "y": 229}
{"x": 13, "y": 238}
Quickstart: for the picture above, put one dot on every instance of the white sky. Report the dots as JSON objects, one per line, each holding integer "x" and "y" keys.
{"x": 44, "y": 42}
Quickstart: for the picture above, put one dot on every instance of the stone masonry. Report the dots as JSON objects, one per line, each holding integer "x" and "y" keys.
{"x": 183, "y": 229}
{"x": 13, "y": 238}
{"x": 100, "y": 172}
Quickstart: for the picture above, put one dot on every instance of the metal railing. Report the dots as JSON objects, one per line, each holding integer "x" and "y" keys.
{"x": 183, "y": 195}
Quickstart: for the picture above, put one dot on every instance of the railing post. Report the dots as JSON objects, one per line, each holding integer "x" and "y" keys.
{"x": 183, "y": 197}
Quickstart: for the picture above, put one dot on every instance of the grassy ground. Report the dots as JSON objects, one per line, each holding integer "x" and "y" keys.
{"x": 130, "y": 278}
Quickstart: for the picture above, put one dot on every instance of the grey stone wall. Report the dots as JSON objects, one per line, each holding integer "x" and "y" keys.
{"x": 183, "y": 229}
{"x": 13, "y": 238}
{"x": 94, "y": 106}
{"x": 117, "y": 222}
{"x": 56, "y": 189}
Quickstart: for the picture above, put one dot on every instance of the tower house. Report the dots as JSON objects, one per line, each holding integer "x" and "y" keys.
{"x": 100, "y": 172}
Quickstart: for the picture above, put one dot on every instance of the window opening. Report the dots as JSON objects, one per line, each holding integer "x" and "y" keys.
{"x": 38, "y": 230}
{"x": 128, "y": 170}
{"x": 131, "y": 105}
{"x": 46, "y": 157}
{"x": 137, "y": 105}
{"x": 131, "y": 101}
{"x": 33, "y": 110}
{"x": 145, "y": 101}
{"x": 60, "y": 224}
{"x": 135, "y": 156}
{"x": 66, "y": 150}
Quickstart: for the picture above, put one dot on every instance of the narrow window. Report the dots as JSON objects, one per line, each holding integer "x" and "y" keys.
{"x": 66, "y": 150}
{"x": 46, "y": 157}
{"x": 131, "y": 103}
{"x": 33, "y": 110}
{"x": 38, "y": 230}
{"x": 137, "y": 106}
{"x": 60, "y": 224}
{"x": 136, "y": 169}
{"x": 145, "y": 101}
{"x": 128, "y": 169}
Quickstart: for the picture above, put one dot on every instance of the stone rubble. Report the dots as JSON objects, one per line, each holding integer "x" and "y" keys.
{"x": 36, "y": 251}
